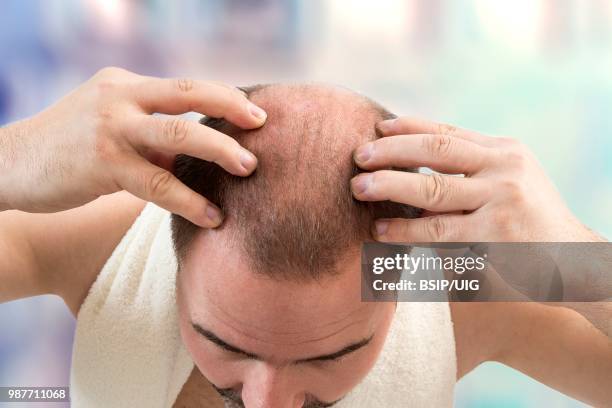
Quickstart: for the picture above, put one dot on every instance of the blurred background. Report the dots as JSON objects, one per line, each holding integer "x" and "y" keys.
{"x": 537, "y": 70}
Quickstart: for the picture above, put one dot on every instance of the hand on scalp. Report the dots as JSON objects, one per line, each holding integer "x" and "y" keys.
{"x": 503, "y": 196}
{"x": 171, "y": 136}
{"x": 103, "y": 138}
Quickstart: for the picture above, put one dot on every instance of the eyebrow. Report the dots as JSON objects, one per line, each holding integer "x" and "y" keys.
{"x": 213, "y": 338}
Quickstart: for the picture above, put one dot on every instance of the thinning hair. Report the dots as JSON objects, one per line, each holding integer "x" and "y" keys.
{"x": 295, "y": 216}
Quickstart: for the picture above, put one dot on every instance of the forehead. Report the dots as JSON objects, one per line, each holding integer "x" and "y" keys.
{"x": 218, "y": 287}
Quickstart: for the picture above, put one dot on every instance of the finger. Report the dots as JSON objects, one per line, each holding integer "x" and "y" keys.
{"x": 409, "y": 125}
{"x": 439, "y": 228}
{"x": 176, "y": 96}
{"x": 154, "y": 184}
{"x": 159, "y": 158}
{"x": 446, "y": 154}
{"x": 435, "y": 192}
{"x": 178, "y": 136}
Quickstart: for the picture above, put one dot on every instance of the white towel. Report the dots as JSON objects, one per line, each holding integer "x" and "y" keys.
{"x": 128, "y": 350}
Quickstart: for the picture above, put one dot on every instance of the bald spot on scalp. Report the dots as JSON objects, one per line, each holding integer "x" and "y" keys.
{"x": 294, "y": 216}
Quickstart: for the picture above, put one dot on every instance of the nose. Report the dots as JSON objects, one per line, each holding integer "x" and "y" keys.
{"x": 270, "y": 387}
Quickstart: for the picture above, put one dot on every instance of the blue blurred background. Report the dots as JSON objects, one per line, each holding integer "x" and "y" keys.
{"x": 537, "y": 70}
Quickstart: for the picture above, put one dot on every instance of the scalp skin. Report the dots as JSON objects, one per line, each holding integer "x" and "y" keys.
{"x": 295, "y": 215}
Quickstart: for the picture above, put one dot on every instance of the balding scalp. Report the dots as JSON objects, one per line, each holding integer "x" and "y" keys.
{"x": 295, "y": 215}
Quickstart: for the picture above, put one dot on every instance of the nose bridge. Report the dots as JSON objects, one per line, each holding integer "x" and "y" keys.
{"x": 268, "y": 386}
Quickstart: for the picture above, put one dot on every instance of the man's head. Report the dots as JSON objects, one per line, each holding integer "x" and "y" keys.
{"x": 270, "y": 301}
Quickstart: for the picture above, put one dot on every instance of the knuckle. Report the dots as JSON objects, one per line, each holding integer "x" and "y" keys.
{"x": 106, "y": 86}
{"x": 512, "y": 189}
{"x": 512, "y": 144}
{"x": 109, "y": 72}
{"x": 109, "y": 78}
{"x": 502, "y": 220}
{"x": 434, "y": 189}
{"x": 446, "y": 129}
{"x": 105, "y": 116}
{"x": 437, "y": 229}
{"x": 158, "y": 184}
{"x": 516, "y": 159}
{"x": 104, "y": 149}
{"x": 184, "y": 84}
{"x": 438, "y": 145}
{"x": 175, "y": 131}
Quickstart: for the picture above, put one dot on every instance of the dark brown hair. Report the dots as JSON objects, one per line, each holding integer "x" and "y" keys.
{"x": 295, "y": 215}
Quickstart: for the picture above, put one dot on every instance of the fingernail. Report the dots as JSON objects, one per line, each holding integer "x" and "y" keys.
{"x": 361, "y": 183}
{"x": 257, "y": 112}
{"x": 381, "y": 227}
{"x": 248, "y": 160}
{"x": 214, "y": 214}
{"x": 385, "y": 126}
{"x": 364, "y": 152}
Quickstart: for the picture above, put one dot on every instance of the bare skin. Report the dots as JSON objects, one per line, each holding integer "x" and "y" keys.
{"x": 102, "y": 138}
{"x": 37, "y": 251}
{"x": 505, "y": 196}
{"x": 198, "y": 392}
{"x": 565, "y": 342}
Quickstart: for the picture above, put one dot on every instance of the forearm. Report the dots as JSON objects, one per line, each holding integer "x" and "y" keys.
{"x": 19, "y": 271}
{"x": 8, "y": 136}
{"x": 586, "y": 270}
{"x": 560, "y": 348}
{"x": 61, "y": 253}
{"x": 3, "y": 143}
{"x": 19, "y": 275}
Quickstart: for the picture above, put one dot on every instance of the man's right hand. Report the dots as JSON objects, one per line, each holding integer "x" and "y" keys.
{"x": 102, "y": 138}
